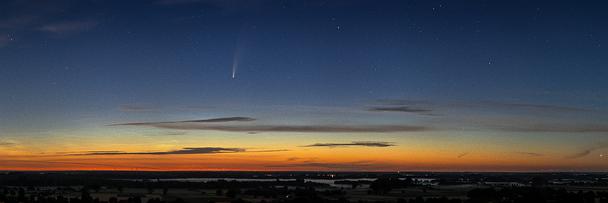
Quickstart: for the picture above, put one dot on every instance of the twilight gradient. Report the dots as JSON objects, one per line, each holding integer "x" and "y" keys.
{"x": 303, "y": 85}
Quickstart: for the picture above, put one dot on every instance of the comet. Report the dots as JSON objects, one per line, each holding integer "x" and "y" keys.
{"x": 235, "y": 62}
{"x": 238, "y": 48}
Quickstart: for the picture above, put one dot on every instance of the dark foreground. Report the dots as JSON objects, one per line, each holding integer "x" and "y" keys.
{"x": 195, "y": 187}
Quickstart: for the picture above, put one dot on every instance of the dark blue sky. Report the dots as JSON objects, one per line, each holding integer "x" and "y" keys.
{"x": 317, "y": 52}
{"x": 64, "y": 61}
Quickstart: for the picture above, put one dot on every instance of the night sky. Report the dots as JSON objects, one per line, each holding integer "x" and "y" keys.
{"x": 304, "y": 85}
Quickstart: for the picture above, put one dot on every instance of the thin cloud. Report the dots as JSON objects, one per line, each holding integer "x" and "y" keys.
{"x": 293, "y": 159}
{"x": 531, "y": 154}
{"x": 289, "y": 128}
{"x": 183, "y": 151}
{"x": 26, "y": 16}
{"x": 462, "y": 155}
{"x": 514, "y": 109}
{"x": 188, "y": 150}
{"x": 302, "y": 159}
{"x": 45, "y": 164}
{"x": 176, "y": 133}
{"x": 216, "y": 124}
{"x": 68, "y": 27}
{"x": 587, "y": 151}
{"x": 580, "y": 154}
{"x": 211, "y": 120}
{"x": 6, "y": 144}
{"x": 333, "y": 166}
{"x": 401, "y": 106}
{"x": 481, "y": 104}
{"x": 357, "y": 144}
{"x": 404, "y": 109}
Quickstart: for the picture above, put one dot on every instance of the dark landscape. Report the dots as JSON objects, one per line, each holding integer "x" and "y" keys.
{"x": 194, "y": 187}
